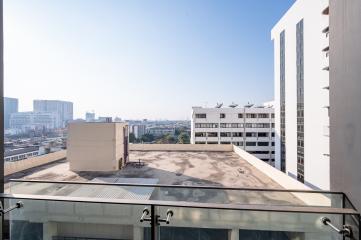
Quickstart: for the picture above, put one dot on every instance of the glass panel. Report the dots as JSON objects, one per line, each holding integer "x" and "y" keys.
{"x": 59, "y": 220}
{"x": 180, "y": 194}
{"x": 197, "y": 224}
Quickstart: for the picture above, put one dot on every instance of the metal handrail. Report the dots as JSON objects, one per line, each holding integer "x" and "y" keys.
{"x": 180, "y": 186}
{"x": 222, "y": 206}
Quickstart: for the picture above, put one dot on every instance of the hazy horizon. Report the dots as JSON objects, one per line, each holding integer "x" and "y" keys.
{"x": 140, "y": 59}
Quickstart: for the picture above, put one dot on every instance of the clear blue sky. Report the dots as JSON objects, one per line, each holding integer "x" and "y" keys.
{"x": 140, "y": 59}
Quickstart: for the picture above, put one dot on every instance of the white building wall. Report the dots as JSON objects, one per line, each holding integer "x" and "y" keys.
{"x": 316, "y": 120}
{"x": 231, "y": 117}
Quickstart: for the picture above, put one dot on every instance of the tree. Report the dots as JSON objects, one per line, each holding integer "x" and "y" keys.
{"x": 131, "y": 137}
{"x": 183, "y": 138}
{"x": 147, "y": 138}
{"x": 166, "y": 139}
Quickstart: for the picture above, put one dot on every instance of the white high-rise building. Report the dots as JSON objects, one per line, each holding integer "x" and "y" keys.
{"x": 62, "y": 108}
{"x": 301, "y": 70}
{"x": 251, "y": 128}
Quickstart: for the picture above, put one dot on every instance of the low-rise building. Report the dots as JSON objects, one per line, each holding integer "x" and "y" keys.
{"x": 97, "y": 146}
{"x": 17, "y": 154}
{"x": 160, "y": 130}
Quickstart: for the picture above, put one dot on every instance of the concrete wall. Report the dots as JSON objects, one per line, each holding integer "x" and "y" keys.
{"x": 345, "y": 97}
{"x": 316, "y": 144}
{"x": 95, "y": 146}
{"x": 13, "y": 167}
{"x": 181, "y": 147}
{"x": 283, "y": 180}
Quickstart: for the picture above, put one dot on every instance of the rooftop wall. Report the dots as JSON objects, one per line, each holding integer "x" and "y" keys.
{"x": 182, "y": 147}
{"x": 18, "y": 166}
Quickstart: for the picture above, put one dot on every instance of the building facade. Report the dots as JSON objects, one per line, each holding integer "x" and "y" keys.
{"x": 11, "y": 105}
{"x": 301, "y": 70}
{"x": 62, "y": 108}
{"x": 138, "y": 130}
{"x": 34, "y": 120}
{"x": 90, "y": 117}
{"x": 250, "y": 128}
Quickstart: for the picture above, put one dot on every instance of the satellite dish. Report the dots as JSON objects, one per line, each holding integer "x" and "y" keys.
{"x": 233, "y": 105}
{"x": 248, "y": 105}
{"x": 219, "y": 105}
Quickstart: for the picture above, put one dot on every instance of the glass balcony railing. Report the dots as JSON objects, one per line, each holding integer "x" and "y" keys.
{"x": 68, "y": 210}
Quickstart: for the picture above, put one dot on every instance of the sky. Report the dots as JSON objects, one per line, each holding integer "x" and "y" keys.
{"x": 138, "y": 59}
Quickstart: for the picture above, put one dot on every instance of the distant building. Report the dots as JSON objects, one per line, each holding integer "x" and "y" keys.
{"x": 89, "y": 117}
{"x": 62, "y": 108}
{"x": 34, "y": 120}
{"x": 302, "y": 105}
{"x": 251, "y": 128}
{"x": 159, "y": 131}
{"x": 105, "y": 119}
{"x": 11, "y": 105}
{"x": 138, "y": 130}
{"x": 97, "y": 146}
{"x": 13, "y": 155}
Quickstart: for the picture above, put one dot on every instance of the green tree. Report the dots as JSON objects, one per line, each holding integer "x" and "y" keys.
{"x": 147, "y": 138}
{"x": 166, "y": 139}
{"x": 183, "y": 138}
{"x": 131, "y": 137}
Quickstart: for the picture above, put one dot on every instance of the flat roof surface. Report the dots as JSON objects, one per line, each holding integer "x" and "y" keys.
{"x": 226, "y": 169}
{"x": 170, "y": 167}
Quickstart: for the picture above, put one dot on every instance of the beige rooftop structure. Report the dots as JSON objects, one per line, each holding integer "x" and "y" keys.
{"x": 97, "y": 146}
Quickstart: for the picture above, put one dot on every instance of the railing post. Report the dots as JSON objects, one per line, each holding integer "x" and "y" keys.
{"x": 154, "y": 223}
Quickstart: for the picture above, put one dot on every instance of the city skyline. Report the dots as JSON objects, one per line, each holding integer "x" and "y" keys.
{"x": 153, "y": 60}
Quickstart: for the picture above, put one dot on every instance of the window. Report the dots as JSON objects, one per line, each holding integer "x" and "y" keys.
{"x": 200, "y": 134}
{"x": 263, "y": 144}
{"x": 258, "y": 152}
{"x": 273, "y": 152}
{"x": 283, "y": 101}
{"x": 251, "y": 134}
{"x": 263, "y": 115}
{"x": 251, "y": 115}
{"x": 262, "y": 134}
{"x": 212, "y": 134}
{"x": 225, "y": 142}
{"x": 222, "y": 115}
{"x": 206, "y": 125}
{"x": 212, "y": 142}
{"x": 200, "y": 142}
{"x": 300, "y": 100}
{"x": 238, "y": 143}
{"x": 225, "y": 134}
{"x": 250, "y": 143}
{"x": 272, "y": 115}
{"x": 237, "y": 134}
{"x": 273, "y": 134}
{"x": 231, "y": 125}
{"x": 273, "y": 143}
{"x": 240, "y": 115}
{"x": 201, "y": 115}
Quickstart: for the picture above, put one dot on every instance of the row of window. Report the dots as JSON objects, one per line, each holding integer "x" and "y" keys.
{"x": 20, "y": 157}
{"x": 240, "y": 115}
{"x": 248, "y": 144}
{"x": 234, "y": 134}
{"x": 234, "y": 125}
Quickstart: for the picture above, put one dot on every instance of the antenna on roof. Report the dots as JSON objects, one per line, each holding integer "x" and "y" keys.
{"x": 219, "y": 105}
{"x": 233, "y": 105}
